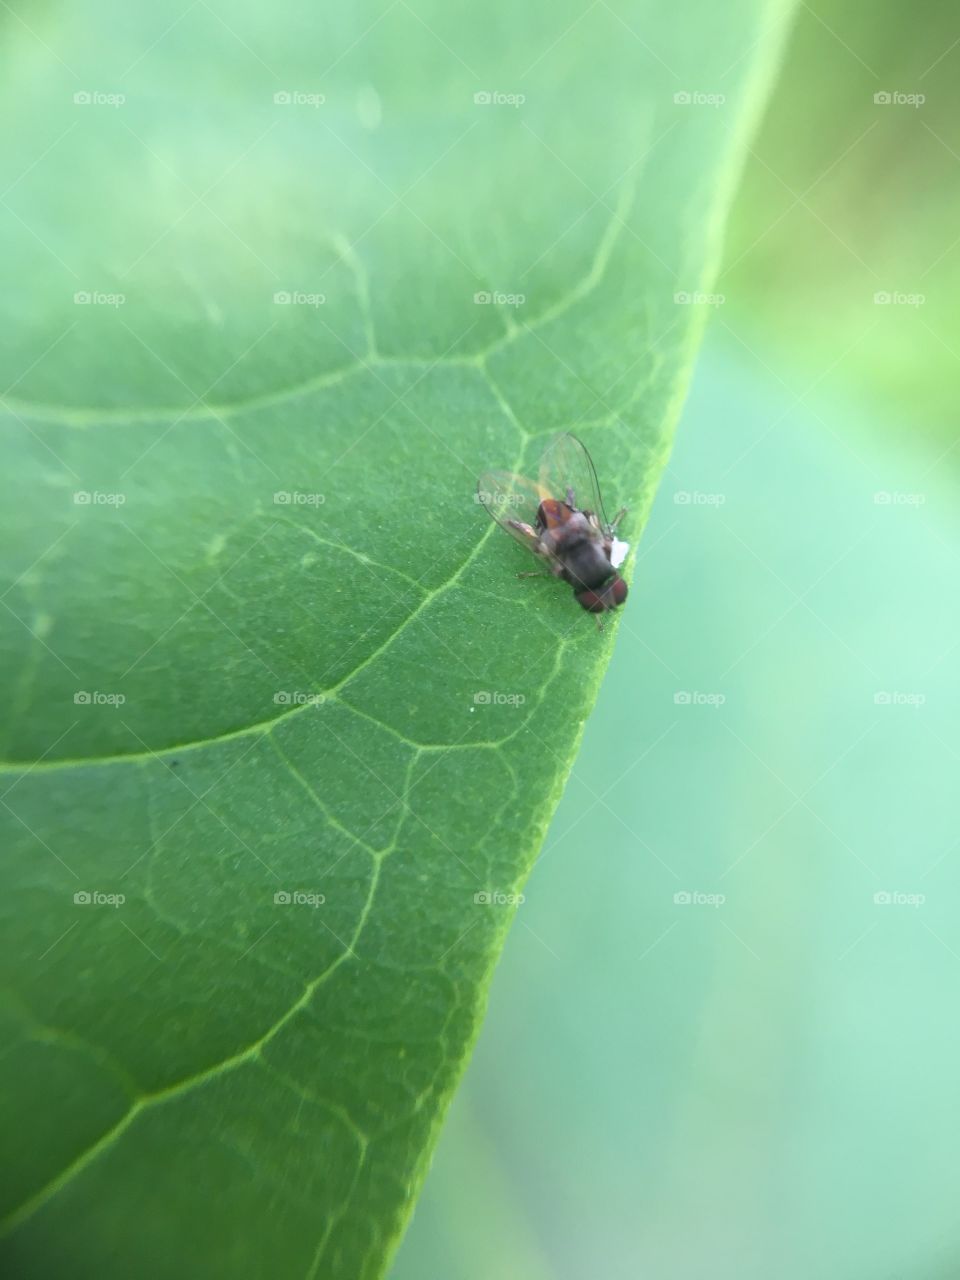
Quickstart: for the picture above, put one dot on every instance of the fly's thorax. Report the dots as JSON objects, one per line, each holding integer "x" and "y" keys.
{"x": 583, "y": 524}
{"x": 559, "y": 518}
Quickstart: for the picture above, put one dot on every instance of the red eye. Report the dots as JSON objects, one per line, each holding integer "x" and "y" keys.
{"x": 600, "y": 601}
{"x": 592, "y": 601}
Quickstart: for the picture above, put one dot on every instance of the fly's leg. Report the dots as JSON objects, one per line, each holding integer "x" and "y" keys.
{"x": 571, "y": 498}
{"x": 555, "y": 571}
{"x": 617, "y": 518}
{"x": 528, "y": 534}
{"x": 527, "y": 530}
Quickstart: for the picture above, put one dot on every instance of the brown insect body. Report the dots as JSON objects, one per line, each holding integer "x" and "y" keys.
{"x": 577, "y": 544}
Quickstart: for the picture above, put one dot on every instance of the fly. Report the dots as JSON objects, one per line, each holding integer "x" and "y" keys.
{"x": 577, "y": 543}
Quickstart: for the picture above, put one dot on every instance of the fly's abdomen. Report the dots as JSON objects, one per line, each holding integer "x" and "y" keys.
{"x": 585, "y": 564}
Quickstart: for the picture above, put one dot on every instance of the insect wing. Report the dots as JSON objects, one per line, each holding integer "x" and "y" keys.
{"x": 566, "y": 466}
{"x": 513, "y": 501}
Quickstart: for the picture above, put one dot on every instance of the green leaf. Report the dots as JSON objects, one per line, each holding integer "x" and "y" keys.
{"x": 218, "y": 694}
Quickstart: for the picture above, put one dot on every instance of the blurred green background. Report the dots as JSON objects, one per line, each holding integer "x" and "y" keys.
{"x": 764, "y": 1086}
{"x": 845, "y": 199}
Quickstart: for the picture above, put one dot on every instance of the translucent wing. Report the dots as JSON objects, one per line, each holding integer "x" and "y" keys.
{"x": 567, "y": 468}
{"x": 513, "y": 502}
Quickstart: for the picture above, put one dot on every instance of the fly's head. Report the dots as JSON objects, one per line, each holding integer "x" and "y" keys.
{"x": 601, "y": 600}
